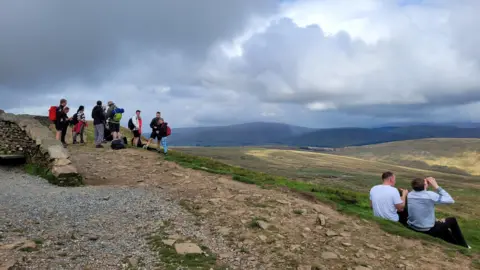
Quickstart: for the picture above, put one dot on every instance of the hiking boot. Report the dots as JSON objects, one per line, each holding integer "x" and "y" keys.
{"x": 74, "y": 142}
{"x": 99, "y": 146}
{"x": 82, "y": 142}
{"x": 165, "y": 154}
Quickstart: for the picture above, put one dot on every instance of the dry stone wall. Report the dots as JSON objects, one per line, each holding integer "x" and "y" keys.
{"x": 25, "y": 134}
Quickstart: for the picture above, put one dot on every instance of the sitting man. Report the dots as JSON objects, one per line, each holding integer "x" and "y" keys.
{"x": 385, "y": 199}
{"x": 421, "y": 218}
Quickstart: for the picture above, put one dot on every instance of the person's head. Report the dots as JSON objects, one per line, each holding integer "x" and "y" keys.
{"x": 66, "y": 109}
{"x": 419, "y": 184}
{"x": 110, "y": 103}
{"x": 158, "y": 114}
{"x": 388, "y": 178}
{"x": 99, "y": 103}
{"x": 160, "y": 120}
{"x": 81, "y": 108}
{"x": 138, "y": 112}
{"x": 63, "y": 102}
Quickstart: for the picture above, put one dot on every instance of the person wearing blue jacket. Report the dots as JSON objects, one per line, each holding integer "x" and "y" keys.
{"x": 421, "y": 212}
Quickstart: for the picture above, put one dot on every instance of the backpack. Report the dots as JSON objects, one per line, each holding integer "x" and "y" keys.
{"x": 117, "y": 114}
{"x": 169, "y": 131}
{"x": 131, "y": 126}
{"x": 52, "y": 113}
{"x": 117, "y": 144}
{"x": 75, "y": 119}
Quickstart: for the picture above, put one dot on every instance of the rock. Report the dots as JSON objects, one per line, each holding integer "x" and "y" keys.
{"x": 28, "y": 245}
{"x": 224, "y": 231}
{"x": 262, "y": 224}
{"x": 329, "y": 255}
{"x": 371, "y": 255}
{"x": 8, "y": 264}
{"x": 282, "y": 202}
{"x": 61, "y": 162}
{"x": 331, "y": 233}
{"x": 93, "y": 237}
{"x": 12, "y": 246}
{"x": 317, "y": 208}
{"x": 347, "y": 244}
{"x": 345, "y": 234}
{"x": 57, "y": 152}
{"x": 321, "y": 219}
{"x": 373, "y": 246}
{"x": 262, "y": 237}
{"x": 360, "y": 267}
{"x": 215, "y": 200}
{"x": 176, "y": 174}
{"x": 133, "y": 262}
{"x": 106, "y": 198}
{"x": 169, "y": 242}
{"x": 304, "y": 267}
{"x": 58, "y": 171}
{"x": 188, "y": 248}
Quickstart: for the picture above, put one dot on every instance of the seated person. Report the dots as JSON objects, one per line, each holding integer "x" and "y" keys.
{"x": 385, "y": 199}
{"x": 421, "y": 217}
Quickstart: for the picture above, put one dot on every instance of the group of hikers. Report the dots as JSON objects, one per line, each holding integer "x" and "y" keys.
{"x": 106, "y": 121}
{"x": 416, "y": 209}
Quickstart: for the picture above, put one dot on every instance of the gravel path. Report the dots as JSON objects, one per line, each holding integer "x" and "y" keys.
{"x": 79, "y": 228}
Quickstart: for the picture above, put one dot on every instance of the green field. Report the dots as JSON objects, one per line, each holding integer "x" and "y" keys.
{"x": 342, "y": 180}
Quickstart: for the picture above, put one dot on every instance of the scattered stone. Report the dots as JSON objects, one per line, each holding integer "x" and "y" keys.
{"x": 371, "y": 255}
{"x": 28, "y": 245}
{"x": 329, "y": 255}
{"x": 106, "y": 198}
{"x": 176, "y": 174}
{"x": 188, "y": 248}
{"x": 331, "y": 233}
{"x": 7, "y": 265}
{"x": 307, "y": 229}
{"x": 347, "y": 244}
{"x": 345, "y": 234}
{"x": 282, "y": 202}
{"x": 262, "y": 237}
{"x": 224, "y": 231}
{"x": 373, "y": 246}
{"x": 133, "y": 262}
{"x": 262, "y": 224}
{"x": 304, "y": 267}
{"x": 321, "y": 219}
{"x": 93, "y": 237}
{"x": 360, "y": 267}
{"x": 169, "y": 242}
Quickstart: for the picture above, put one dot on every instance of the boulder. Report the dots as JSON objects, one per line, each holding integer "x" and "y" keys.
{"x": 57, "y": 152}
{"x": 61, "y": 171}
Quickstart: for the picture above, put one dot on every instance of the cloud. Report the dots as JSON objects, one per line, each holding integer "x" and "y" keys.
{"x": 314, "y": 63}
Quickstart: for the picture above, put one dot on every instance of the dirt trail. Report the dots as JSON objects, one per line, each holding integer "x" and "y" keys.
{"x": 266, "y": 229}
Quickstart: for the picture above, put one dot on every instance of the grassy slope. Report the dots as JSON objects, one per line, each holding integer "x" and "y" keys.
{"x": 448, "y": 155}
{"x": 342, "y": 181}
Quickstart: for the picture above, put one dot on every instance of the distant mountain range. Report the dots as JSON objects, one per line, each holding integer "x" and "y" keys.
{"x": 260, "y": 133}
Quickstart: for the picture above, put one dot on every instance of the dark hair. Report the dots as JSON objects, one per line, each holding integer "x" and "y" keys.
{"x": 418, "y": 184}
{"x": 63, "y": 101}
{"x": 158, "y": 112}
{"x": 81, "y": 108}
{"x": 138, "y": 111}
{"x": 386, "y": 175}
{"x": 99, "y": 102}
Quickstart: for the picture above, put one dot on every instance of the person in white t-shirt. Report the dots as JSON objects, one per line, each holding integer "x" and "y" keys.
{"x": 385, "y": 199}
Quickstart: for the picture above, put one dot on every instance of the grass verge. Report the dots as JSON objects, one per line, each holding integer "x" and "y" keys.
{"x": 346, "y": 201}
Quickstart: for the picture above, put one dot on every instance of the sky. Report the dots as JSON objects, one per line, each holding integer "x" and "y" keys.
{"x": 314, "y": 63}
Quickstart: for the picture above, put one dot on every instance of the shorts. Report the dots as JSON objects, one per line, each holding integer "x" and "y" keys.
{"x": 136, "y": 134}
{"x": 114, "y": 127}
{"x": 154, "y": 135}
{"x": 58, "y": 126}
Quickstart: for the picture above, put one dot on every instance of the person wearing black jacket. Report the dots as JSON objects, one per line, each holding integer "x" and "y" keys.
{"x": 98, "y": 116}
{"x": 58, "y": 124}
{"x": 62, "y": 123}
{"x": 154, "y": 125}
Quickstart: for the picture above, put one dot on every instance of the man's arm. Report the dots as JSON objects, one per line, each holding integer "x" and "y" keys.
{"x": 400, "y": 206}
{"x": 441, "y": 196}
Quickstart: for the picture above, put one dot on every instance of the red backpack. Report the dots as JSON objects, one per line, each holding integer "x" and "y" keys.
{"x": 52, "y": 113}
{"x": 169, "y": 131}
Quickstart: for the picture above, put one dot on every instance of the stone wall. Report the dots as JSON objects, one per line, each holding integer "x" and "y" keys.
{"x": 27, "y": 135}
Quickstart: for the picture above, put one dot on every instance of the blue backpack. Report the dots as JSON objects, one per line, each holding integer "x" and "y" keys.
{"x": 117, "y": 114}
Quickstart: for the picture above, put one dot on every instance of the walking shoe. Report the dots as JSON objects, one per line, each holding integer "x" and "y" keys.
{"x": 99, "y": 146}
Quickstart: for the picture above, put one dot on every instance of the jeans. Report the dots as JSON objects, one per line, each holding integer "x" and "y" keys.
{"x": 448, "y": 231}
{"x": 164, "y": 144}
{"x": 99, "y": 129}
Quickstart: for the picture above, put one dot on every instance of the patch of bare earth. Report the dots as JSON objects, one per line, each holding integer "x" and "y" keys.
{"x": 263, "y": 229}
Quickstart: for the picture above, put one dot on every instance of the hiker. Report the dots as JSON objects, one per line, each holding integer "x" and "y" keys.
{"x": 154, "y": 125}
{"x": 63, "y": 122}
{"x": 137, "y": 127}
{"x": 164, "y": 133}
{"x": 385, "y": 199}
{"x": 79, "y": 124}
{"x": 421, "y": 217}
{"x": 58, "y": 123}
{"x": 98, "y": 116}
{"x": 113, "y": 120}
